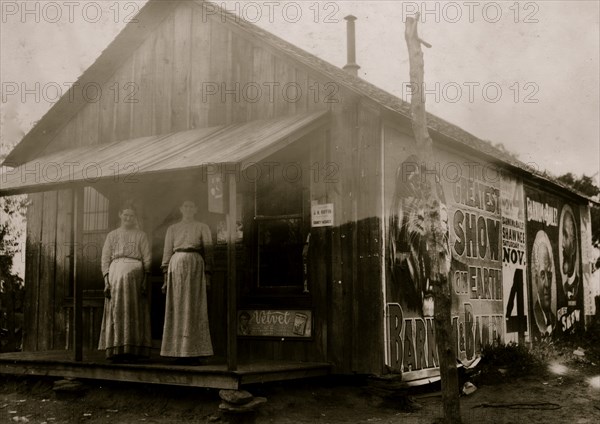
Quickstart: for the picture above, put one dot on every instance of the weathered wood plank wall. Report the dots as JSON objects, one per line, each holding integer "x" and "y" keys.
{"x": 32, "y": 270}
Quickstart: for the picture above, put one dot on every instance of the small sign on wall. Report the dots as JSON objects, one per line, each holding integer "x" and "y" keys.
{"x": 274, "y": 323}
{"x": 322, "y": 215}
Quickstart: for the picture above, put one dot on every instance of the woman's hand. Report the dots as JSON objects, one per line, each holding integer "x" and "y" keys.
{"x": 208, "y": 278}
{"x": 106, "y": 287}
{"x": 164, "y": 286}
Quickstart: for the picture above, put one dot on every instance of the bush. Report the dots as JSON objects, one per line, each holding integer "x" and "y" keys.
{"x": 11, "y": 313}
{"x": 502, "y": 361}
{"x": 511, "y": 355}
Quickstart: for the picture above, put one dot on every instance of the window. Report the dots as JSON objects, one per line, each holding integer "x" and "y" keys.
{"x": 280, "y": 230}
{"x": 95, "y": 230}
{"x": 95, "y": 210}
{"x": 280, "y": 244}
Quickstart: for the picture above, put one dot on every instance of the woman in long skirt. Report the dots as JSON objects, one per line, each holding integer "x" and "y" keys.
{"x": 187, "y": 265}
{"x": 126, "y": 257}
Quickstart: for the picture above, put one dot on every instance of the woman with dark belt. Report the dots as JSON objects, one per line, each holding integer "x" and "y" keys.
{"x": 126, "y": 257}
{"x": 187, "y": 264}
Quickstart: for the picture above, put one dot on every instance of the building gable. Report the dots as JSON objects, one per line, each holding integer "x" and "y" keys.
{"x": 190, "y": 70}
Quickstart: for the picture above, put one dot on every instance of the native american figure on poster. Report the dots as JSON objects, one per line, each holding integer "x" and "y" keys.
{"x": 409, "y": 266}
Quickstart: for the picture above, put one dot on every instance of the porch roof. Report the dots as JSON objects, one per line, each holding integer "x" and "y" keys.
{"x": 242, "y": 144}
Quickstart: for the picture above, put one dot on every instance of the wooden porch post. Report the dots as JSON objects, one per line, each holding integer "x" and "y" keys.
{"x": 77, "y": 261}
{"x": 231, "y": 275}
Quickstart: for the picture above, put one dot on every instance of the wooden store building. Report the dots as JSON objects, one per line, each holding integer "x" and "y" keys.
{"x": 307, "y": 178}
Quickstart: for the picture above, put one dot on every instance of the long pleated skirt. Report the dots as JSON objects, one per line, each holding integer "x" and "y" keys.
{"x": 126, "y": 320}
{"x": 186, "y": 330}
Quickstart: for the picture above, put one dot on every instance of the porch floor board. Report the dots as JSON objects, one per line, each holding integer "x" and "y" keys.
{"x": 156, "y": 370}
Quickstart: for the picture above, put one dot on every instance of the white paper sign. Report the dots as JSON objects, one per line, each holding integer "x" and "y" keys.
{"x": 322, "y": 215}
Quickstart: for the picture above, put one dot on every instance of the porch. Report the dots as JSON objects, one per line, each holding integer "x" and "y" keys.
{"x": 69, "y": 219}
{"x": 156, "y": 370}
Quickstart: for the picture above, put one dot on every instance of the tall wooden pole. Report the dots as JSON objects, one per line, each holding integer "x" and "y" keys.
{"x": 76, "y": 273}
{"x": 231, "y": 275}
{"x": 436, "y": 230}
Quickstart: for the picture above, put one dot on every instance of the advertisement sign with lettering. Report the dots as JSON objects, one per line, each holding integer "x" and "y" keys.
{"x": 554, "y": 256}
{"x": 469, "y": 209}
{"x": 274, "y": 323}
{"x": 475, "y": 244}
{"x": 322, "y": 215}
{"x": 514, "y": 260}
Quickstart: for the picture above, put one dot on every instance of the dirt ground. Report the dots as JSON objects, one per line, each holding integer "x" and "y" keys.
{"x": 570, "y": 386}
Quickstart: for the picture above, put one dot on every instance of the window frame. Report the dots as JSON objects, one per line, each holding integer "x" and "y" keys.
{"x": 95, "y": 288}
{"x": 303, "y": 215}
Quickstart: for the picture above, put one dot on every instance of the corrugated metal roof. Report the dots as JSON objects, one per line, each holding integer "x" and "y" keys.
{"x": 238, "y": 143}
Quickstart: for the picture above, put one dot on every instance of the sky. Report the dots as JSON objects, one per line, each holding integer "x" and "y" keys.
{"x": 524, "y": 74}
